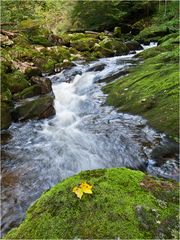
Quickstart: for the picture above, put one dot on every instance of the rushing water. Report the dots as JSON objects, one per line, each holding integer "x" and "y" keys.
{"x": 84, "y": 134}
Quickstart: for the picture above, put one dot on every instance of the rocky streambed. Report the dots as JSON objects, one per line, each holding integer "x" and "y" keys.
{"x": 84, "y": 134}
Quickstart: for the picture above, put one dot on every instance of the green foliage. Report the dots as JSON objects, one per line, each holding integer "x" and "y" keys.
{"x": 109, "y": 213}
{"x": 16, "y": 11}
{"x": 15, "y": 81}
{"x": 100, "y": 15}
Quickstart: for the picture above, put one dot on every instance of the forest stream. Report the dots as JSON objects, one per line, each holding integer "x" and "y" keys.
{"x": 84, "y": 134}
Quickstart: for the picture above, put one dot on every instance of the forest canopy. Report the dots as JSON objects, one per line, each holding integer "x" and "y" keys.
{"x": 65, "y": 15}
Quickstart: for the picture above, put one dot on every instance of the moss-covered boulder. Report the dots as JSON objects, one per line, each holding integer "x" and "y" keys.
{"x": 33, "y": 71}
{"x": 133, "y": 45}
{"x": 28, "y": 92}
{"x": 100, "y": 51}
{"x": 154, "y": 33}
{"x": 118, "y": 47}
{"x": 125, "y": 204}
{"x": 44, "y": 84}
{"x": 5, "y": 109}
{"x": 83, "y": 44}
{"x": 35, "y": 109}
{"x": 15, "y": 81}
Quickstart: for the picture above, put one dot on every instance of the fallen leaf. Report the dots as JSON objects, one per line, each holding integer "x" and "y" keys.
{"x": 81, "y": 189}
{"x": 86, "y": 188}
{"x": 78, "y": 191}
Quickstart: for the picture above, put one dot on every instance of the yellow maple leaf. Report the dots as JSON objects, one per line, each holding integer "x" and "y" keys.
{"x": 86, "y": 188}
{"x": 78, "y": 191}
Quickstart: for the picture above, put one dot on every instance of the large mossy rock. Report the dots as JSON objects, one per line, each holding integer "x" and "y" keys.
{"x": 28, "y": 92}
{"x": 5, "y": 115}
{"x": 44, "y": 84}
{"x": 154, "y": 33}
{"x": 125, "y": 204}
{"x": 15, "y": 81}
{"x": 133, "y": 45}
{"x": 118, "y": 47}
{"x": 83, "y": 44}
{"x": 35, "y": 109}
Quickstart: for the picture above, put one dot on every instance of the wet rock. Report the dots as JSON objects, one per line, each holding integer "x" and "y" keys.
{"x": 134, "y": 45}
{"x": 33, "y": 71}
{"x": 15, "y": 81}
{"x": 35, "y": 109}
{"x": 5, "y": 137}
{"x": 165, "y": 152}
{"x": 28, "y": 92}
{"x": 114, "y": 76}
{"x": 10, "y": 179}
{"x": 97, "y": 68}
{"x": 100, "y": 51}
{"x": 44, "y": 84}
{"x": 5, "y": 115}
{"x": 118, "y": 47}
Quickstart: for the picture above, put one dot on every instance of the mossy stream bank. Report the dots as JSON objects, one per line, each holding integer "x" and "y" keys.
{"x": 125, "y": 204}
{"x": 151, "y": 88}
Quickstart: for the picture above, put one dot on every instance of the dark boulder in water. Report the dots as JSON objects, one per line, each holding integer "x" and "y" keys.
{"x": 35, "y": 109}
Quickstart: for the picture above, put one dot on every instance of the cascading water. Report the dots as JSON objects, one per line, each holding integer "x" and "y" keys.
{"x": 84, "y": 134}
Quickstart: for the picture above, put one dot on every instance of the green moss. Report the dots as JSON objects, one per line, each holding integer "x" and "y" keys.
{"x": 151, "y": 89}
{"x": 118, "y": 47}
{"x": 39, "y": 108}
{"x": 161, "y": 23}
{"x": 28, "y": 92}
{"x": 26, "y": 53}
{"x": 57, "y": 53}
{"x": 83, "y": 44}
{"x": 109, "y": 213}
{"x": 76, "y": 36}
{"x": 15, "y": 81}
{"x": 5, "y": 95}
{"x": 40, "y": 39}
{"x": 49, "y": 65}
